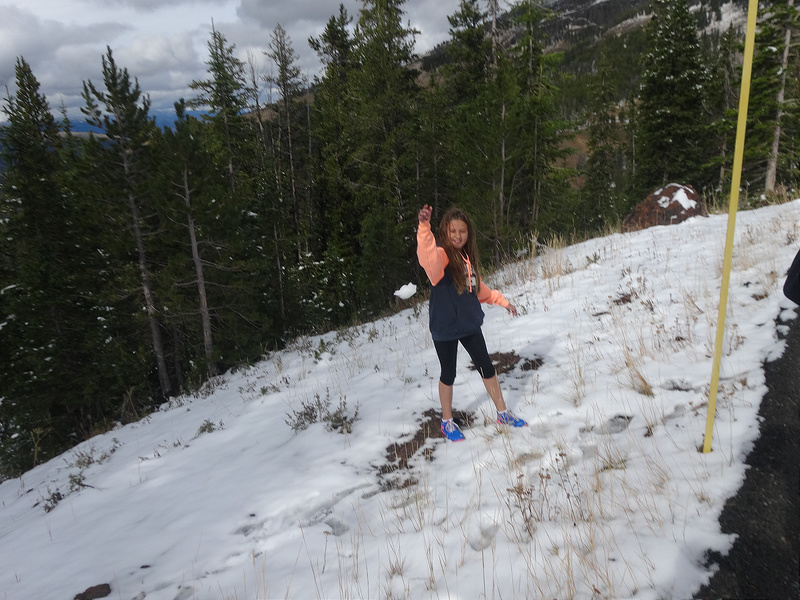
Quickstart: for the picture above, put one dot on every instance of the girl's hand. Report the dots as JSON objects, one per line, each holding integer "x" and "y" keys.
{"x": 425, "y": 214}
{"x": 512, "y": 310}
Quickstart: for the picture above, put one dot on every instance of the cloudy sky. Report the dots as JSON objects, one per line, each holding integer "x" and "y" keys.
{"x": 163, "y": 42}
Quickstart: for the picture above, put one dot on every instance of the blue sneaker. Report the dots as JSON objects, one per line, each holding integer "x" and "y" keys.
{"x": 506, "y": 417}
{"x": 451, "y": 431}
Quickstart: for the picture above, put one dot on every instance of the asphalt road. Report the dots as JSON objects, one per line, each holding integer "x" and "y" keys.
{"x": 764, "y": 561}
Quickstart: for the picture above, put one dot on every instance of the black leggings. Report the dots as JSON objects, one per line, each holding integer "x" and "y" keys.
{"x": 475, "y": 346}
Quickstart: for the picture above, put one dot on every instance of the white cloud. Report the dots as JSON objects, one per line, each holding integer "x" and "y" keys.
{"x": 163, "y": 43}
{"x": 39, "y": 41}
{"x": 156, "y": 55}
{"x": 149, "y": 5}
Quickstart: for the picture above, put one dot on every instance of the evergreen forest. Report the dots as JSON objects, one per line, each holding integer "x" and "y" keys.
{"x": 138, "y": 263}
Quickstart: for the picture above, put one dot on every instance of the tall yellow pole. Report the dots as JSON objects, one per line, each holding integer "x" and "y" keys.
{"x": 744, "y": 99}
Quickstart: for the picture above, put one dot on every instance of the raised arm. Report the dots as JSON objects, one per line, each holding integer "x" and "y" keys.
{"x": 432, "y": 258}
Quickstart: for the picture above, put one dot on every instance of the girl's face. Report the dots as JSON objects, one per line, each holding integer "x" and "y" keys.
{"x": 457, "y": 233}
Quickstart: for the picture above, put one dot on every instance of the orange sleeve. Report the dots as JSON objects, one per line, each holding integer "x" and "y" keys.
{"x": 431, "y": 258}
{"x": 490, "y": 296}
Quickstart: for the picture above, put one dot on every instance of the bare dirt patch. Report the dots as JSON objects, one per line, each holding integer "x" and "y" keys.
{"x": 398, "y": 470}
{"x": 505, "y": 362}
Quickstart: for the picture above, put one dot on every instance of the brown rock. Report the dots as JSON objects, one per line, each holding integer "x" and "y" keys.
{"x": 668, "y": 205}
{"x": 94, "y": 592}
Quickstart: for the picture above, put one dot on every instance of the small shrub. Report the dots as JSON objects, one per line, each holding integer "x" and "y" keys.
{"x": 107, "y": 454}
{"x": 77, "y": 481}
{"x": 319, "y": 411}
{"x": 338, "y": 419}
{"x": 84, "y": 460}
{"x": 52, "y": 500}
{"x": 207, "y": 427}
{"x": 210, "y": 386}
{"x": 323, "y": 348}
{"x": 300, "y": 420}
{"x": 521, "y": 500}
{"x": 303, "y": 346}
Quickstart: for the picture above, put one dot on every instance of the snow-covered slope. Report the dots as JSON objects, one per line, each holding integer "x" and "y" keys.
{"x": 604, "y": 495}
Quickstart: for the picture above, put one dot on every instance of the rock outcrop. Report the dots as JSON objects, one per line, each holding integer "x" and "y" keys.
{"x": 674, "y": 203}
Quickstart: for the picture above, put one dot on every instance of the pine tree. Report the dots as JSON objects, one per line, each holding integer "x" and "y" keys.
{"x": 772, "y": 139}
{"x": 723, "y": 100}
{"x": 469, "y": 53}
{"x": 671, "y": 100}
{"x": 250, "y": 231}
{"x": 383, "y": 127}
{"x": 331, "y": 109}
{"x": 61, "y": 375}
{"x": 122, "y": 113}
{"x": 602, "y": 191}
{"x": 225, "y": 94}
{"x": 32, "y": 300}
{"x": 489, "y": 149}
{"x": 190, "y": 181}
{"x": 482, "y": 92}
{"x": 337, "y": 225}
{"x": 788, "y": 17}
{"x": 452, "y": 103}
{"x": 289, "y": 85}
{"x": 547, "y": 202}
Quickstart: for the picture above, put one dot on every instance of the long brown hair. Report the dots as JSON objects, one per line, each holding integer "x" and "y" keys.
{"x": 457, "y": 264}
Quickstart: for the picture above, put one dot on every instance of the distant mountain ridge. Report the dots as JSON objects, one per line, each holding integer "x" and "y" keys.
{"x": 83, "y": 129}
{"x": 162, "y": 118}
{"x": 577, "y": 23}
{"x": 590, "y": 16}
{"x": 581, "y": 19}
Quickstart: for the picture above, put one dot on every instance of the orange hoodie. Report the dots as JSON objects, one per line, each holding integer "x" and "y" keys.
{"x": 434, "y": 259}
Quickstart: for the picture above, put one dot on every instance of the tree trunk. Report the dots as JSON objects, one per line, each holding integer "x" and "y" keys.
{"x": 494, "y": 9}
{"x": 228, "y": 145}
{"x": 772, "y": 163}
{"x": 149, "y": 300}
{"x": 723, "y": 154}
{"x": 501, "y": 192}
{"x": 296, "y": 209}
{"x": 280, "y": 278}
{"x": 310, "y": 181}
{"x": 176, "y": 353}
{"x": 205, "y": 316}
{"x": 254, "y": 83}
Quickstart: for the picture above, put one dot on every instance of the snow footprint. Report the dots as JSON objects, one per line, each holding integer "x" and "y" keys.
{"x": 482, "y": 536}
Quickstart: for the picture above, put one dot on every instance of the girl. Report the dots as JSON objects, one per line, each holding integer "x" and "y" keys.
{"x": 455, "y": 311}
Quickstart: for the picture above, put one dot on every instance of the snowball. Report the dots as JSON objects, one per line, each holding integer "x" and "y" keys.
{"x": 406, "y": 291}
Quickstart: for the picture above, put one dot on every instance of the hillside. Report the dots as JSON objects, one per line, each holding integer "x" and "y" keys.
{"x": 226, "y": 495}
{"x": 582, "y": 29}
